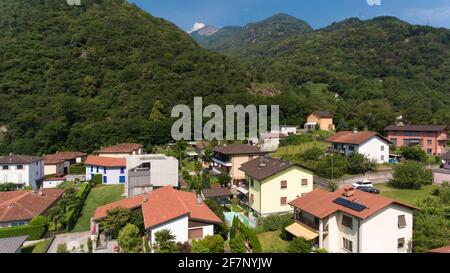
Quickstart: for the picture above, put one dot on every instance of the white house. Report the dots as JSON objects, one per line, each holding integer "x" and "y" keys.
{"x": 288, "y": 129}
{"x": 166, "y": 208}
{"x": 146, "y": 172}
{"x": 23, "y": 170}
{"x": 269, "y": 142}
{"x": 113, "y": 170}
{"x": 371, "y": 144}
{"x": 353, "y": 221}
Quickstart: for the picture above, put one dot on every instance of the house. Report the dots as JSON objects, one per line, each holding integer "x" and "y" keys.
{"x": 17, "y": 208}
{"x": 59, "y": 163}
{"x": 166, "y": 208}
{"x": 148, "y": 172}
{"x": 322, "y": 119}
{"x": 22, "y": 170}
{"x": 12, "y": 244}
{"x": 269, "y": 142}
{"x": 353, "y": 221}
{"x": 229, "y": 159}
{"x": 288, "y": 129}
{"x": 432, "y": 138}
{"x": 371, "y": 144}
{"x": 218, "y": 193}
{"x": 112, "y": 169}
{"x": 53, "y": 182}
{"x": 121, "y": 150}
{"x": 273, "y": 183}
{"x": 441, "y": 250}
{"x": 443, "y": 174}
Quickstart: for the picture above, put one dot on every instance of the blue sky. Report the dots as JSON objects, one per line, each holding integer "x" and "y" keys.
{"x": 318, "y": 13}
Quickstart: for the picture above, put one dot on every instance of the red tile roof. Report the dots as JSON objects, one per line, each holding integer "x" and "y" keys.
{"x": 25, "y": 205}
{"x": 121, "y": 148}
{"x": 59, "y": 157}
{"x": 445, "y": 249}
{"x": 105, "y": 161}
{"x": 416, "y": 128}
{"x": 163, "y": 205}
{"x": 357, "y": 138}
{"x": 320, "y": 203}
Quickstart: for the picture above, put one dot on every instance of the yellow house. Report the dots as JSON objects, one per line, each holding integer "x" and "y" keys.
{"x": 273, "y": 183}
{"x": 322, "y": 119}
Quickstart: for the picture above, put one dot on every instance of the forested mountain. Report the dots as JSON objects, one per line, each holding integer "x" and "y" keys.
{"x": 78, "y": 77}
{"x": 378, "y": 69}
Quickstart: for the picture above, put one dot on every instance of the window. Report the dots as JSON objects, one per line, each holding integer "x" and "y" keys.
{"x": 382, "y": 148}
{"x": 430, "y": 142}
{"x": 283, "y": 201}
{"x": 122, "y": 170}
{"x": 304, "y": 182}
{"x": 104, "y": 170}
{"x": 284, "y": 184}
{"x": 347, "y": 244}
{"x": 401, "y": 243}
{"x": 252, "y": 198}
{"x": 105, "y": 179}
{"x": 351, "y": 148}
{"x": 252, "y": 183}
{"x": 429, "y": 151}
{"x": 347, "y": 221}
{"x": 5, "y": 167}
{"x": 122, "y": 179}
{"x": 92, "y": 168}
{"x": 335, "y": 146}
{"x": 20, "y": 167}
{"x": 97, "y": 169}
{"x": 382, "y": 158}
{"x": 401, "y": 221}
{"x": 394, "y": 141}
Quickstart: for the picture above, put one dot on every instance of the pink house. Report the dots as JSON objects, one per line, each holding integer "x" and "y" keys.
{"x": 443, "y": 174}
{"x": 432, "y": 138}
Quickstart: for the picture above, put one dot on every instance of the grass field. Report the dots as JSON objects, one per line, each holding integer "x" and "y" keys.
{"x": 36, "y": 248}
{"x": 271, "y": 242}
{"x": 99, "y": 196}
{"x": 406, "y": 196}
{"x": 297, "y": 149}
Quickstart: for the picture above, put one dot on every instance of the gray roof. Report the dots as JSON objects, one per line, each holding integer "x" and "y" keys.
{"x": 264, "y": 167}
{"x": 19, "y": 159}
{"x": 12, "y": 244}
{"x": 237, "y": 149}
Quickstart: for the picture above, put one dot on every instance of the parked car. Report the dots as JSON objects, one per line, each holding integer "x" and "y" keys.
{"x": 362, "y": 183}
{"x": 369, "y": 190}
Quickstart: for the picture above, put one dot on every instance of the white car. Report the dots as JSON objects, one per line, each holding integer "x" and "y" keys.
{"x": 363, "y": 183}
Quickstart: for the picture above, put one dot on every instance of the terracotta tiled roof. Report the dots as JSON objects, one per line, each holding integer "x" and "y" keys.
{"x": 19, "y": 159}
{"x": 121, "y": 148}
{"x": 416, "y": 128}
{"x": 445, "y": 249}
{"x": 320, "y": 203}
{"x": 357, "y": 138}
{"x": 163, "y": 205}
{"x": 236, "y": 148}
{"x": 25, "y": 205}
{"x": 105, "y": 161}
{"x": 50, "y": 160}
{"x": 263, "y": 167}
{"x": 322, "y": 114}
{"x": 59, "y": 157}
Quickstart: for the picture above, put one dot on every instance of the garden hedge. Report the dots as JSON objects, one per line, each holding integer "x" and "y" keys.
{"x": 35, "y": 229}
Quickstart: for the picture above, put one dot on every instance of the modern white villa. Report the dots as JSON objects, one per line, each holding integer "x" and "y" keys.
{"x": 371, "y": 144}
{"x": 22, "y": 170}
{"x": 353, "y": 221}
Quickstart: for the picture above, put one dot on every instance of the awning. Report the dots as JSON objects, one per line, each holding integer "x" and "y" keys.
{"x": 242, "y": 190}
{"x": 299, "y": 230}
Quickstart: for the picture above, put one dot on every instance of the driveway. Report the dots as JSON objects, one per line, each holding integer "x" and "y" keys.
{"x": 71, "y": 240}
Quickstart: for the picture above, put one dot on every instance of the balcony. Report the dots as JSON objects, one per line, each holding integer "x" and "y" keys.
{"x": 311, "y": 224}
{"x": 222, "y": 162}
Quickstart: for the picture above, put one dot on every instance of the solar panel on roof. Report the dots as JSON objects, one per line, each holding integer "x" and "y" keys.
{"x": 349, "y": 204}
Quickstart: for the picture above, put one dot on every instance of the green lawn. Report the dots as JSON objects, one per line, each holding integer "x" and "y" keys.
{"x": 36, "y": 248}
{"x": 99, "y": 196}
{"x": 271, "y": 242}
{"x": 406, "y": 196}
{"x": 297, "y": 149}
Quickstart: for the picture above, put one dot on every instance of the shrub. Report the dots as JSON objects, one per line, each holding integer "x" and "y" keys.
{"x": 413, "y": 153}
{"x": 237, "y": 245}
{"x": 89, "y": 245}
{"x": 129, "y": 239}
{"x": 300, "y": 245}
{"x": 332, "y": 166}
{"x": 38, "y": 221}
{"x": 62, "y": 248}
{"x": 97, "y": 179}
{"x": 359, "y": 163}
{"x": 35, "y": 229}
{"x": 77, "y": 169}
{"x": 114, "y": 221}
{"x": 295, "y": 140}
{"x": 184, "y": 247}
{"x": 410, "y": 175}
{"x": 273, "y": 222}
{"x": 8, "y": 187}
{"x": 224, "y": 179}
{"x": 209, "y": 244}
{"x": 321, "y": 250}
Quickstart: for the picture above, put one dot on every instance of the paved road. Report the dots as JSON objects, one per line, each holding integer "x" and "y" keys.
{"x": 69, "y": 238}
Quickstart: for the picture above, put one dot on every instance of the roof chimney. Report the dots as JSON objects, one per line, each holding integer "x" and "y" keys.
{"x": 348, "y": 192}
{"x": 199, "y": 199}
{"x": 145, "y": 198}
{"x": 262, "y": 162}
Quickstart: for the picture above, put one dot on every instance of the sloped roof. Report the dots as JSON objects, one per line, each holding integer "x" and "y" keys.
{"x": 59, "y": 157}
{"x": 357, "y": 138}
{"x": 163, "y": 205}
{"x": 416, "y": 128}
{"x": 105, "y": 161}
{"x": 19, "y": 159}
{"x": 322, "y": 114}
{"x": 25, "y": 205}
{"x": 263, "y": 167}
{"x": 121, "y": 148}
{"x": 236, "y": 148}
{"x": 320, "y": 203}
{"x": 12, "y": 244}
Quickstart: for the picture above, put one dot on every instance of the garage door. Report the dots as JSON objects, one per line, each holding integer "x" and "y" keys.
{"x": 195, "y": 233}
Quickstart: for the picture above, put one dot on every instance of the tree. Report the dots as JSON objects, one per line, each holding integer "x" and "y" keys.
{"x": 224, "y": 179}
{"x": 129, "y": 239}
{"x": 332, "y": 166}
{"x": 413, "y": 153}
{"x": 410, "y": 175}
{"x": 8, "y": 187}
{"x": 88, "y": 89}
{"x": 137, "y": 219}
{"x": 156, "y": 113}
{"x": 237, "y": 244}
{"x": 359, "y": 164}
{"x": 198, "y": 166}
{"x": 209, "y": 244}
{"x": 300, "y": 245}
{"x": 114, "y": 221}
{"x": 165, "y": 242}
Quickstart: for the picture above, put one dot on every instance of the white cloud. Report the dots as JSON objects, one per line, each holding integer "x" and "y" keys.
{"x": 374, "y": 2}
{"x": 197, "y": 26}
